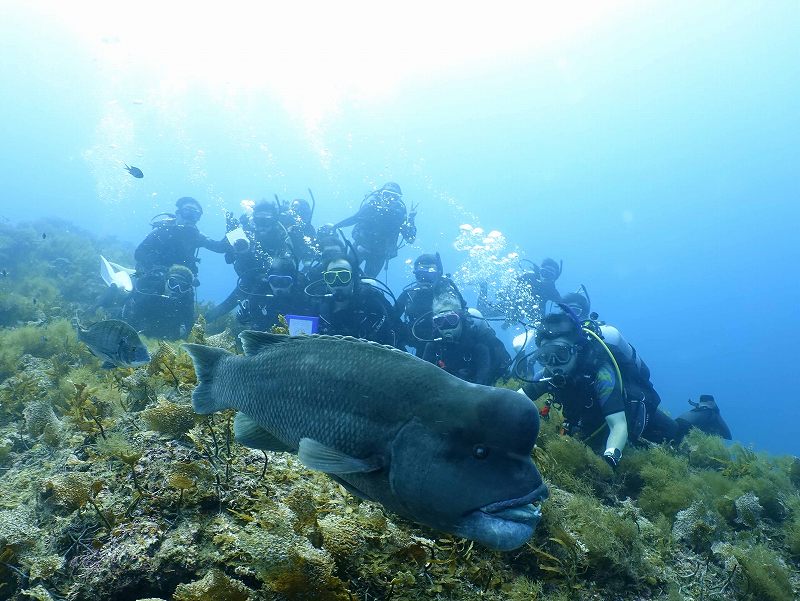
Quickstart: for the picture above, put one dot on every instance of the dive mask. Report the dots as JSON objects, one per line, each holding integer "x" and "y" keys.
{"x": 337, "y": 277}
{"x": 179, "y": 285}
{"x": 280, "y": 281}
{"x": 426, "y": 273}
{"x": 553, "y": 354}
{"x": 446, "y": 321}
{"x": 189, "y": 213}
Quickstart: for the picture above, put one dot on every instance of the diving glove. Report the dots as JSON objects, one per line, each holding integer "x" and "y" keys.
{"x": 612, "y": 457}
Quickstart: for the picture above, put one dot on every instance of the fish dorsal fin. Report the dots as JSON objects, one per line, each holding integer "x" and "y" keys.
{"x": 250, "y": 434}
{"x": 360, "y": 341}
{"x": 254, "y": 342}
{"x": 317, "y": 456}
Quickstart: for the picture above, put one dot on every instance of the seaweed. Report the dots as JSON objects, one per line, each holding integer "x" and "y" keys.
{"x": 111, "y": 487}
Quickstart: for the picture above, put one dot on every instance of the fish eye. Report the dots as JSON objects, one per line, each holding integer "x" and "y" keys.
{"x": 480, "y": 451}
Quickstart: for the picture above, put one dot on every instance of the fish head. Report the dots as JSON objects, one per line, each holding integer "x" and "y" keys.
{"x": 470, "y": 472}
{"x": 133, "y": 352}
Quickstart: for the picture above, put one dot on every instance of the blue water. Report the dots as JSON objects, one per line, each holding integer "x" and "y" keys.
{"x": 653, "y": 148}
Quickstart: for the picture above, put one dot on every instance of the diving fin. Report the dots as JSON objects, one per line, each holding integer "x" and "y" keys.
{"x": 705, "y": 416}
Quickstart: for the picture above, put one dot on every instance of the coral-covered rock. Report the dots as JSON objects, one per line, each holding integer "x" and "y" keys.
{"x": 214, "y": 585}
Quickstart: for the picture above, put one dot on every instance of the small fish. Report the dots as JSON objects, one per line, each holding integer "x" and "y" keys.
{"x": 44, "y": 236}
{"x": 387, "y": 426}
{"x": 115, "y": 342}
{"x": 4, "y": 273}
{"x": 43, "y": 338}
{"x": 134, "y": 171}
{"x": 34, "y": 301}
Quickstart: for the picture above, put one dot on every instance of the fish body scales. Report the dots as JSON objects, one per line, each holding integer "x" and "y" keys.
{"x": 350, "y": 396}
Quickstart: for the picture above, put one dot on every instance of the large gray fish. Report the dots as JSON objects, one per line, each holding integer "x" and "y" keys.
{"x": 115, "y": 342}
{"x": 386, "y": 425}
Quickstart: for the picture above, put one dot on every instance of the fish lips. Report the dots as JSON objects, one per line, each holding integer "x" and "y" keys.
{"x": 505, "y": 525}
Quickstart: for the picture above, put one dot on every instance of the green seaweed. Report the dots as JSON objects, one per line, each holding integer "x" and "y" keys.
{"x": 111, "y": 488}
{"x": 766, "y": 574}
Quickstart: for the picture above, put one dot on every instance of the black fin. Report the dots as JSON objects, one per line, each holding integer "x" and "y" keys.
{"x": 317, "y": 456}
{"x": 205, "y": 359}
{"x": 250, "y": 434}
{"x": 706, "y": 417}
{"x": 254, "y": 342}
{"x": 350, "y": 488}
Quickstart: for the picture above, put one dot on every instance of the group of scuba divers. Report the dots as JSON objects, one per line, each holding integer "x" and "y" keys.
{"x": 323, "y": 282}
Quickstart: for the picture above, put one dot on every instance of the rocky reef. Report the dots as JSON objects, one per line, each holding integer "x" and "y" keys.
{"x": 112, "y": 488}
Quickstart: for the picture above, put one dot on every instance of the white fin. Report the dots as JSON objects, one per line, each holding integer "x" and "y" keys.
{"x": 114, "y": 274}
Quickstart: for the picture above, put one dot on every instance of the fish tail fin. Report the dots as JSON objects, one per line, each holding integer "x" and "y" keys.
{"x": 205, "y": 359}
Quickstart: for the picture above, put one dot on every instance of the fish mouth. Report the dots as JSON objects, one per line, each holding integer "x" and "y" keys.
{"x": 504, "y": 525}
{"x": 526, "y": 509}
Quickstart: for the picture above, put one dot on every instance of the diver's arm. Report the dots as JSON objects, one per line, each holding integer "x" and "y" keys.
{"x": 535, "y": 389}
{"x": 400, "y": 305}
{"x": 352, "y": 220}
{"x": 618, "y": 432}
{"x": 216, "y": 246}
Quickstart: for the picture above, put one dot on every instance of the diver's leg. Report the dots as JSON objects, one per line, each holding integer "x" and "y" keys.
{"x": 662, "y": 428}
{"x": 373, "y": 264}
{"x": 224, "y": 307}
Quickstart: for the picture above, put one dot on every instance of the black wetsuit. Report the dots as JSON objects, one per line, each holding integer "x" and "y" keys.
{"x": 376, "y": 229}
{"x": 367, "y": 315}
{"x": 259, "y": 310}
{"x": 173, "y": 244}
{"x": 414, "y": 310}
{"x": 476, "y": 356}
{"x": 587, "y": 399}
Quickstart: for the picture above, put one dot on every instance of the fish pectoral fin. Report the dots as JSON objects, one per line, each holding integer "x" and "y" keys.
{"x": 317, "y": 456}
{"x": 254, "y": 342}
{"x": 250, "y": 434}
{"x": 108, "y": 365}
{"x": 351, "y": 489}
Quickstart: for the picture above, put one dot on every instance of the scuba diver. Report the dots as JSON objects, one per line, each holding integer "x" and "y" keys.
{"x": 296, "y": 218}
{"x": 161, "y": 303}
{"x": 268, "y": 236}
{"x": 597, "y": 394}
{"x": 175, "y": 240}
{"x": 280, "y": 292}
{"x": 263, "y": 240}
{"x": 414, "y": 306}
{"x": 378, "y": 224}
{"x": 525, "y": 298}
{"x": 166, "y": 312}
{"x": 331, "y": 244}
{"x": 352, "y": 306}
{"x": 464, "y": 345}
